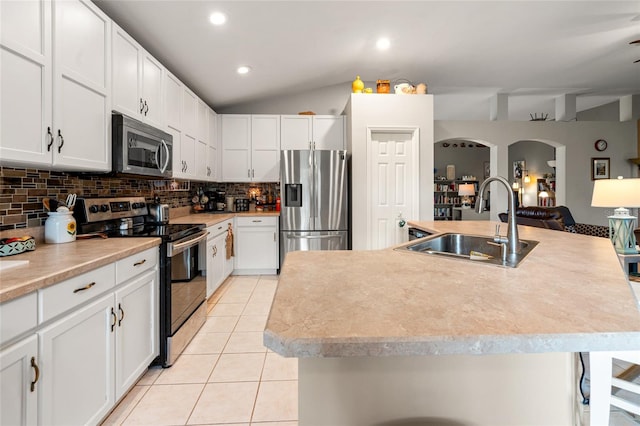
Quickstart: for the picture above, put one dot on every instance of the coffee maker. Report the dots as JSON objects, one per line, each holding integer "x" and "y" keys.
{"x": 221, "y": 199}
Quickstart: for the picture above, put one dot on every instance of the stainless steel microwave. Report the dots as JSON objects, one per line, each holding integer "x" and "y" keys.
{"x": 140, "y": 149}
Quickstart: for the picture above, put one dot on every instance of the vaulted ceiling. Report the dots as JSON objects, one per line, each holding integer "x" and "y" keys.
{"x": 466, "y": 51}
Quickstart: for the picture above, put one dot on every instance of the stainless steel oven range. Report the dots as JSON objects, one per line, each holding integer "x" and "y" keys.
{"x": 182, "y": 286}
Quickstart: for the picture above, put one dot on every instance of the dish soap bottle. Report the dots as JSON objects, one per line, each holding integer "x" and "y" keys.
{"x": 357, "y": 85}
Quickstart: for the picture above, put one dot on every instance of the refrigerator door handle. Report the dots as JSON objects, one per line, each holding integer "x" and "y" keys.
{"x": 312, "y": 237}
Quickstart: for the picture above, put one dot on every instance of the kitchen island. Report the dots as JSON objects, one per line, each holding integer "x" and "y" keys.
{"x": 388, "y": 335}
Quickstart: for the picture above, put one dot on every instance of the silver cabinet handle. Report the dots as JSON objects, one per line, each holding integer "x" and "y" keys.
{"x": 248, "y": 173}
{"x": 253, "y": 174}
{"x": 257, "y": 220}
{"x": 86, "y": 287}
{"x": 141, "y": 106}
{"x": 274, "y": 237}
{"x": 146, "y": 108}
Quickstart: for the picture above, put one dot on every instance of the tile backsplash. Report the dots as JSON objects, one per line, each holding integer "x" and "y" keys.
{"x": 22, "y": 191}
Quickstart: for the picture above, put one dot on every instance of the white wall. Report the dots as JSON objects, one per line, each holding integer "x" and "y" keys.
{"x": 328, "y": 100}
{"x": 577, "y": 137}
{"x": 380, "y": 110}
{"x": 468, "y": 161}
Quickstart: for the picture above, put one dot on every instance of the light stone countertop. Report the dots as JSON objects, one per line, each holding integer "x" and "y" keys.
{"x": 52, "y": 263}
{"x": 569, "y": 294}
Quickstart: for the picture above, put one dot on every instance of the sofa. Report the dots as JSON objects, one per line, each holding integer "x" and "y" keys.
{"x": 558, "y": 218}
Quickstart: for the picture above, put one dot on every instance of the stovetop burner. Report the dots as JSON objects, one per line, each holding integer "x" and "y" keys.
{"x": 171, "y": 232}
{"x": 126, "y": 217}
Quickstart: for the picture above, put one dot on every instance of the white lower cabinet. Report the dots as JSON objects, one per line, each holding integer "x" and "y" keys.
{"x": 256, "y": 245}
{"x": 19, "y": 373}
{"x": 218, "y": 266}
{"x": 137, "y": 331}
{"x": 77, "y": 364}
{"x": 96, "y": 336}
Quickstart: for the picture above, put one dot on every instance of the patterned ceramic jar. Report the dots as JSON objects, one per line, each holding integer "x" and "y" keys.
{"x": 60, "y": 227}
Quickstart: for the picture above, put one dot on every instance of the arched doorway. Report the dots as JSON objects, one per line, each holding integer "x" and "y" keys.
{"x": 460, "y": 161}
{"x": 542, "y": 180}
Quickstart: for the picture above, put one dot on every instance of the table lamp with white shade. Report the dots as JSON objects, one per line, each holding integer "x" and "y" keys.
{"x": 465, "y": 190}
{"x": 616, "y": 193}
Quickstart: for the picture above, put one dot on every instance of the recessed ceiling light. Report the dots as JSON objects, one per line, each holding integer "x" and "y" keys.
{"x": 217, "y": 18}
{"x": 244, "y": 69}
{"x": 383, "y": 43}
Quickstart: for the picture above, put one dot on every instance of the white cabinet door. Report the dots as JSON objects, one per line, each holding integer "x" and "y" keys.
{"x": 201, "y": 160}
{"x": 18, "y": 370}
{"x": 151, "y": 81}
{"x": 203, "y": 171}
{"x": 77, "y": 363}
{"x": 265, "y": 148}
{"x": 189, "y": 113}
{"x": 127, "y": 98}
{"x": 82, "y": 86}
{"x": 236, "y": 145}
{"x": 329, "y": 132}
{"x": 256, "y": 244}
{"x": 296, "y": 132}
{"x": 137, "y": 330}
{"x": 313, "y": 132}
{"x": 213, "y": 160}
{"x": 25, "y": 82}
{"x": 173, "y": 102}
{"x": 187, "y": 156}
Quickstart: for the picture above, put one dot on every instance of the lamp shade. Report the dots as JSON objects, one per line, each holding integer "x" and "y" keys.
{"x": 466, "y": 189}
{"x": 616, "y": 193}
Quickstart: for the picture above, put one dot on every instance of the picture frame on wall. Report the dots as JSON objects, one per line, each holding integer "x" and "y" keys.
{"x": 518, "y": 169}
{"x": 600, "y": 168}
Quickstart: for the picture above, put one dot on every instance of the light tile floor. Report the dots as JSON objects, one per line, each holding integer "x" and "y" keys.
{"x": 225, "y": 376}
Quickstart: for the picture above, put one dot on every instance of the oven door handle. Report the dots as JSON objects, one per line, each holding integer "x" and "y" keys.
{"x": 174, "y": 248}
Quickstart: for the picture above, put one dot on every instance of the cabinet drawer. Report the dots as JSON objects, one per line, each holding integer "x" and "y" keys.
{"x": 219, "y": 228}
{"x": 18, "y": 316}
{"x": 73, "y": 292}
{"x": 256, "y": 221}
{"x": 133, "y": 265}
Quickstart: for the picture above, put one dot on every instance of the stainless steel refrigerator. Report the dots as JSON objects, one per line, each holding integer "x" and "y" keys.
{"x": 314, "y": 212}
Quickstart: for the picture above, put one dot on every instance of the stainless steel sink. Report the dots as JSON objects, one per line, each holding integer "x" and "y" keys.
{"x": 471, "y": 248}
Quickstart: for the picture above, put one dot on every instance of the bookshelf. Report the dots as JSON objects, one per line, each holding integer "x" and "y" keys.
{"x": 445, "y": 198}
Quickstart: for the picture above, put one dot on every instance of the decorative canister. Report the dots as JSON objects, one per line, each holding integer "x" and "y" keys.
{"x": 60, "y": 227}
{"x": 382, "y": 86}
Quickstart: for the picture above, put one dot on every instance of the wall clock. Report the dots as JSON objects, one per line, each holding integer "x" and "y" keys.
{"x": 601, "y": 145}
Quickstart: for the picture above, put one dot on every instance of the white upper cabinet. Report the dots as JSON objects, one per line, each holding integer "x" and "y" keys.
{"x": 251, "y": 148}
{"x": 56, "y": 85}
{"x": 213, "y": 162}
{"x": 137, "y": 80}
{"x": 313, "y": 132}
{"x": 173, "y": 102}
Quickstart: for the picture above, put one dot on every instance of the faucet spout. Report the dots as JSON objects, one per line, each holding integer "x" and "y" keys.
{"x": 513, "y": 240}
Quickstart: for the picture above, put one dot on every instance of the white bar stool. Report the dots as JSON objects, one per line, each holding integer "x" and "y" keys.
{"x": 602, "y": 396}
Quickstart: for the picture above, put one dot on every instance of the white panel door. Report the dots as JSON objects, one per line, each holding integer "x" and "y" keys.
{"x": 189, "y": 113}
{"x": 265, "y": 148}
{"x": 393, "y": 187}
{"x": 25, "y": 82}
{"x": 236, "y": 144}
{"x": 173, "y": 103}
